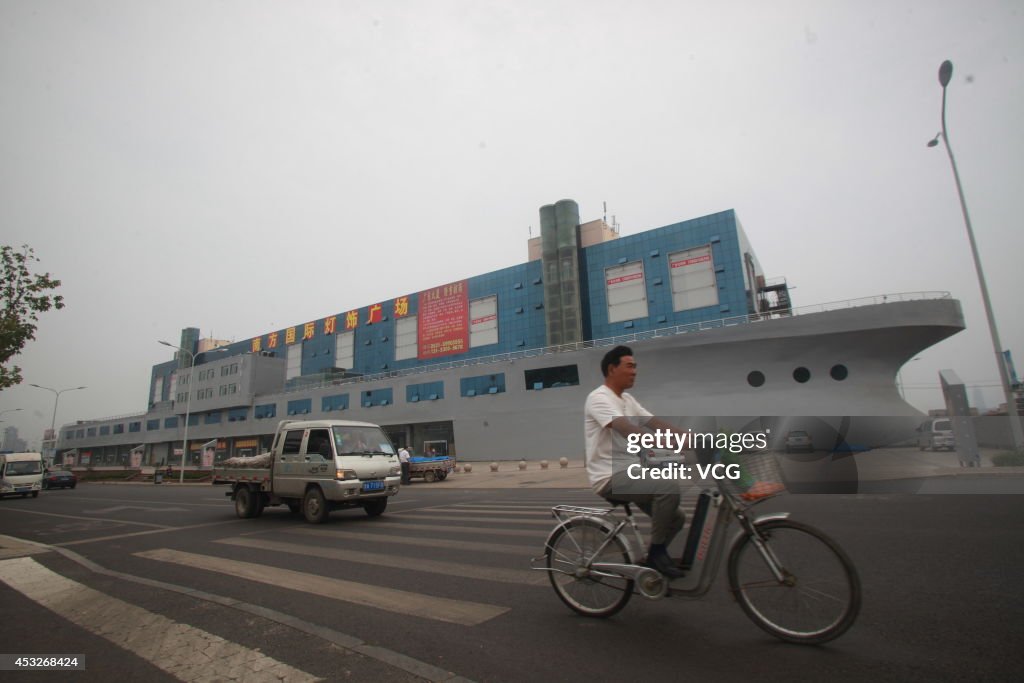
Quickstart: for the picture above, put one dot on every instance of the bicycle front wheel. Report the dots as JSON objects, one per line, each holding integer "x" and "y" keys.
{"x": 572, "y": 549}
{"x": 818, "y": 597}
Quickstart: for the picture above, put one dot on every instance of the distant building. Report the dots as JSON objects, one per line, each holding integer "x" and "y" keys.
{"x": 12, "y": 442}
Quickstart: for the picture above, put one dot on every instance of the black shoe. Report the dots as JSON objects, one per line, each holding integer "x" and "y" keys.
{"x": 663, "y": 563}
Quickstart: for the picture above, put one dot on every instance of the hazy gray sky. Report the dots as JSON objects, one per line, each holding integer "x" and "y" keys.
{"x": 241, "y": 166}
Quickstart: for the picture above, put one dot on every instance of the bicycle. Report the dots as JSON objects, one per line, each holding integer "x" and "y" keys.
{"x": 789, "y": 578}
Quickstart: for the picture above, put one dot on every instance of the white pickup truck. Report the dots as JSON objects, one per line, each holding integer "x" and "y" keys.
{"x": 314, "y": 467}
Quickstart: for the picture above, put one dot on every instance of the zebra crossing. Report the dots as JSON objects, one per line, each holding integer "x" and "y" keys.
{"x": 482, "y": 542}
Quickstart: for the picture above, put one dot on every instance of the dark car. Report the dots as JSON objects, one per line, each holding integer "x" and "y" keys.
{"x": 59, "y": 479}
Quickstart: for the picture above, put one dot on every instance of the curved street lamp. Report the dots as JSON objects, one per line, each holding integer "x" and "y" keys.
{"x": 945, "y": 74}
{"x": 188, "y": 400}
{"x": 53, "y": 420}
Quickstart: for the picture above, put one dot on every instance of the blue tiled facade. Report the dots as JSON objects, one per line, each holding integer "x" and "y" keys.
{"x": 520, "y": 308}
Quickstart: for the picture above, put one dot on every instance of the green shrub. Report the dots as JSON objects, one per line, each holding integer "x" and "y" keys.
{"x": 1008, "y": 459}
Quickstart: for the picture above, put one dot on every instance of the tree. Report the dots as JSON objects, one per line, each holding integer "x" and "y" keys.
{"x": 25, "y": 296}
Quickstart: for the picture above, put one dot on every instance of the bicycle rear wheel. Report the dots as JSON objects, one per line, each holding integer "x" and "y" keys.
{"x": 589, "y": 593}
{"x": 819, "y": 596}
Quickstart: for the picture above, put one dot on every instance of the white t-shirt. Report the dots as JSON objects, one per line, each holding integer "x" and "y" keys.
{"x": 601, "y": 408}
{"x": 403, "y": 455}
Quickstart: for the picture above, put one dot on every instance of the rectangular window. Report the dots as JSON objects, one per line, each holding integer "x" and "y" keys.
{"x": 405, "y": 338}
{"x": 292, "y": 442}
{"x": 344, "y": 351}
{"x": 119, "y": 429}
{"x": 483, "y": 321}
{"x": 337, "y": 402}
{"x": 547, "y": 378}
{"x": 170, "y": 423}
{"x": 134, "y": 426}
{"x": 265, "y": 411}
{"x": 238, "y": 414}
{"x": 193, "y": 420}
{"x": 105, "y": 430}
{"x": 152, "y": 425}
{"x": 693, "y": 279}
{"x": 300, "y": 406}
{"x": 626, "y": 292}
{"x": 482, "y": 385}
{"x": 294, "y": 368}
{"x": 91, "y": 431}
{"x": 158, "y": 390}
{"x": 213, "y": 418}
{"x": 427, "y": 391}
{"x": 69, "y": 435}
{"x": 377, "y": 397}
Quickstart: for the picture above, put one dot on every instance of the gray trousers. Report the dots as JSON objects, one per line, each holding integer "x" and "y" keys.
{"x": 658, "y": 498}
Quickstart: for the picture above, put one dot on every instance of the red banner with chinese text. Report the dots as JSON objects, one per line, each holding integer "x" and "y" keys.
{"x": 443, "y": 320}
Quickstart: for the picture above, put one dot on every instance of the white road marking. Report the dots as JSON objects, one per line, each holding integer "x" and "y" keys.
{"x": 455, "y": 516}
{"x": 183, "y": 651}
{"x": 522, "y": 577}
{"x": 429, "y": 542}
{"x": 401, "y": 602}
{"x": 119, "y": 508}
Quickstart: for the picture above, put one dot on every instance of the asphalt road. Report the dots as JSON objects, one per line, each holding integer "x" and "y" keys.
{"x": 439, "y": 587}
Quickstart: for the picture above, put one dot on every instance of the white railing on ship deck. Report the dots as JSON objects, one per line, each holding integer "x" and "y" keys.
{"x": 631, "y": 337}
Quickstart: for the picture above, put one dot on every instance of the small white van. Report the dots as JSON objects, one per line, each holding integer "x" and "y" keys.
{"x": 21, "y": 473}
{"x": 935, "y": 435}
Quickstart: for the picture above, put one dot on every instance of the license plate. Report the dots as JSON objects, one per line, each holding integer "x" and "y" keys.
{"x": 373, "y": 486}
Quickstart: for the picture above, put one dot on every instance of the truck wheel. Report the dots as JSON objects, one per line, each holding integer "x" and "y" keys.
{"x": 314, "y": 506}
{"x": 442, "y": 475}
{"x": 375, "y": 508}
{"x": 261, "y": 502}
{"x": 245, "y": 502}
{"x": 429, "y": 476}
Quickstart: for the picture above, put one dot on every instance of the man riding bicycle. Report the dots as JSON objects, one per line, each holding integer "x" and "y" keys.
{"x": 611, "y": 414}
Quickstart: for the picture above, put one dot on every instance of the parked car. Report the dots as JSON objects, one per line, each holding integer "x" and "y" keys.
{"x": 798, "y": 440}
{"x": 935, "y": 435}
{"x": 60, "y": 479}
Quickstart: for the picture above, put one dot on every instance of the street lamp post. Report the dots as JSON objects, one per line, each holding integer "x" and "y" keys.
{"x": 188, "y": 403}
{"x": 53, "y": 420}
{"x": 945, "y": 74}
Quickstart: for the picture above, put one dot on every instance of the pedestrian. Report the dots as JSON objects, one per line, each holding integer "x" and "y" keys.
{"x": 403, "y": 459}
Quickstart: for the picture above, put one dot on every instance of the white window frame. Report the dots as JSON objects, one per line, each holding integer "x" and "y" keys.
{"x": 625, "y": 287}
{"x": 406, "y": 338}
{"x": 483, "y": 321}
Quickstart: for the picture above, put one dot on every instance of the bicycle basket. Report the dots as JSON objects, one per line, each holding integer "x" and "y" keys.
{"x": 760, "y": 477}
